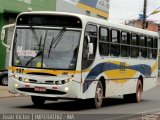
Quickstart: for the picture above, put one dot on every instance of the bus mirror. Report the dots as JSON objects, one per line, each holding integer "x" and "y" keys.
{"x": 90, "y": 49}
{"x": 3, "y": 33}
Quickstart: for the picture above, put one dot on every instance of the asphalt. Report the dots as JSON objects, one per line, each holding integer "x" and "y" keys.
{"x": 4, "y": 93}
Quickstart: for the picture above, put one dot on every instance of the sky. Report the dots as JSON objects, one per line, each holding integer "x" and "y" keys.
{"x": 124, "y": 10}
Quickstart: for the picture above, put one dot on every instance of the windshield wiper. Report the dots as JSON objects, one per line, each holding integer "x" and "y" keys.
{"x": 56, "y": 39}
{"x": 34, "y": 33}
{"x": 38, "y": 54}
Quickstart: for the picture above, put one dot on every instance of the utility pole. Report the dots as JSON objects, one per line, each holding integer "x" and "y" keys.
{"x": 144, "y": 14}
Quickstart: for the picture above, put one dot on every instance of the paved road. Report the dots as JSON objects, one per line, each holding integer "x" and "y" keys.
{"x": 112, "y": 109}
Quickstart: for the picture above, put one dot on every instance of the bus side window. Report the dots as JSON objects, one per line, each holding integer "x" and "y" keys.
{"x": 154, "y": 50}
{"x": 134, "y": 49}
{"x": 115, "y": 43}
{"x": 104, "y": 41}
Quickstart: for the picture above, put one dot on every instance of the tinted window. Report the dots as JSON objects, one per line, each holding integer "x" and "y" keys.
{"x": 104, "y": 35}
{"x": 114, "y": 50}
{"x": 142, "y": 41}
{"x": 155, "y": 44}
{"x": 91, "y": 29}
{"x": 149, "y": 41}
{"x": 124, "y": 37}
{"x": 49, "y": 20}
{"x": 134, "y": 52}
{"x": 115, "y": 36}
{"x": 143, "y": 52}
{"x": 125, "y": 51}
{"x": 154, "y": 54}
{"x": 134, "y": 39}
{"x": 104, "y": 49}
{"x": 149, "y": 53}
{"x": 87, "y": 59}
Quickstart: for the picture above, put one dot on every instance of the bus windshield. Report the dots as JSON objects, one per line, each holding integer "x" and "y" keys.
{"x": 55, "y": 48}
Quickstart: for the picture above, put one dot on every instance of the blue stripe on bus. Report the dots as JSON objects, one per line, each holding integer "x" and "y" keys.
{"x": 102, "y": 67}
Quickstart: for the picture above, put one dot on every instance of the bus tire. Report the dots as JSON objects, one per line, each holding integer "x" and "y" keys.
{"x": 38, "y": 101}
{"x": 135, "y": 97}
{"x": 4, "y": 80}
{"x": 98, "y": 95}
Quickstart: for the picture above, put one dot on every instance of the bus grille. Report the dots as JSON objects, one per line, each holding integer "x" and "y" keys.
{"x": 31, "y": 90}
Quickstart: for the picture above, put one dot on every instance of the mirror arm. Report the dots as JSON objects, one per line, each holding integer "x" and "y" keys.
{"x": 3, "y": 34}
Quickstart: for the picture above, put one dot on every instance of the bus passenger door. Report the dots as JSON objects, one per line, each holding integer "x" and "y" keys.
{"x": 88, "y": 56}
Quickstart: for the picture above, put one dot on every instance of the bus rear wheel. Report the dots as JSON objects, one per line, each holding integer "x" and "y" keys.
{"x": 98, "y": 95}
{"x": 136, "y": 97}
{"x": 38, "y": 101}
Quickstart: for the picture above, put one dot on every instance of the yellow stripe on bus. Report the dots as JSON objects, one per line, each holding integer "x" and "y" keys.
{"x": 119, "y": 75}
{"x": 154, "y": 67}
{"x": 54, "y": 72}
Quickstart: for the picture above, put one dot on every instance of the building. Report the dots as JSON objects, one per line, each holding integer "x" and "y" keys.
{"x": 9, "y": 9}
{"x": 95, "y": 8}
{"x": 150, "y": 25}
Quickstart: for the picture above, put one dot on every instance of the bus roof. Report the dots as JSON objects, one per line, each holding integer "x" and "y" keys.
{"x": 88, "y": 19}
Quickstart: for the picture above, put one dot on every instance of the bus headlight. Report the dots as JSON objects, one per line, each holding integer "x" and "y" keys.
{"x": 66, "y": 89}
{"x": 15, "y": 85}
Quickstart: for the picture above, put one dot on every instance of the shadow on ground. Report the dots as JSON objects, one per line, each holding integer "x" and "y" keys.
{"x": 77, "y": 105}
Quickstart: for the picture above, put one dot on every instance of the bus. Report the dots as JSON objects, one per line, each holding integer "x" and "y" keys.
{"x": 59, "y": 55}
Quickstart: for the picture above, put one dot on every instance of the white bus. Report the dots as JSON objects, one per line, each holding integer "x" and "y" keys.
{"x": 71, "y": 56}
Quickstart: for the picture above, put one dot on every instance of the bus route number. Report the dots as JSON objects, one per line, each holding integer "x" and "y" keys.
{"x": 19, "y": 70}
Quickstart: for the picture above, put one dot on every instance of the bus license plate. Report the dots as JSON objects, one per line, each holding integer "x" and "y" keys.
{"x": 40, "y": 89}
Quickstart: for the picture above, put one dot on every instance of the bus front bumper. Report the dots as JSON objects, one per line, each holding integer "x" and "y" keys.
{"x": 68, "y": 90}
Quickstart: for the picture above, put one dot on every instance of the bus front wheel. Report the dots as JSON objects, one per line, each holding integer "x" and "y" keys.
{"x": 98, "y": 95}
{"x": 38, "y": 100}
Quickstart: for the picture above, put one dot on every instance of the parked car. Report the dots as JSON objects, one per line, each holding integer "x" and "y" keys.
{"x": 4, "y": 77}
